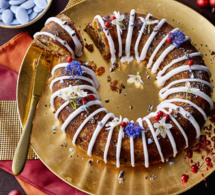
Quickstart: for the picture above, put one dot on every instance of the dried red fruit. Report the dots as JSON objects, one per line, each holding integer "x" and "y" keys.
{"x": 184, "y": 178}
{"x": 113, "y": 18}
{"x": 189, "y": 154}
{"x": 107, "y": 24}
{"x": 169, "y": 40}
{"x": 91, "y": 97}
{"x": 69, "y": 59}
{"x": 160, "y": 113}
{"x": 208, "y": 160}
{"x": 194, "y": 169}
{"x": 83, "y": 100}
{"x": 190, "y": 62}
{"x": 157, "y": 117}
{"x": 123, "y": 124}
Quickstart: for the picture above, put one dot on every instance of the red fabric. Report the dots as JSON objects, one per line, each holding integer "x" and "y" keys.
{"x": 35, "y": 173}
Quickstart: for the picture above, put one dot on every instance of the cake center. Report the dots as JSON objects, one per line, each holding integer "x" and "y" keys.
{"x": 126, "y": 99}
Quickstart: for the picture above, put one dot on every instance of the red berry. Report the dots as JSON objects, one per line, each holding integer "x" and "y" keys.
{"x": 189, "y": 154}
{"x": 91, "y": 97}
{"x": 198, "y": 146}
{"x": 202, "y": 138}
{"x": 83, "y": 100}
{"x": 194, "y": 169}
{"x": 190, "y": 62}
{"x": 213, "y": 138}
{"x": 69, "y": 59}
{"x": 208, "y": 160}
{"x": 167, "y": 116}
{"x": 212, "y": 3}
{"x": 160, "y": 113}
{"x": 202, "y": 3}
{"x": 107, "y": 24}
{"x": 15, "y": 192}
{"x": 157, "y": 117}
{"x": 123, "y": 124}
{"x": 169, "y": 40}
{"x": 113, "y": 18}
{"x": 208, "y": 142}
{"x": 184, "y": 178}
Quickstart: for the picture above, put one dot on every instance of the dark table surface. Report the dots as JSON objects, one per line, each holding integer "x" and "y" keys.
{"x": 7, "y": 181}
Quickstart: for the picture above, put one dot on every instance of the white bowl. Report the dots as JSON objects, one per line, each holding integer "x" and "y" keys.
{"x": 2, "y": 24}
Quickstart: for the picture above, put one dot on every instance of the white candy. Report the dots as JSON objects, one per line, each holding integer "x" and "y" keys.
{"x": 22, "y": 15}
{"x": 7, "y": 16}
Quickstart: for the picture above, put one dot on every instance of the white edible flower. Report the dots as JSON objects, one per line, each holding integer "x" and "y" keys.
{"x": 148, "y": 21}
{"x": 189, "y": 88}
{"x": 115, "y": 122}
{"x": 73, "y": 92}
{"x": 136, "y": 79}
{"x": 162, "y": 127}
{"x": 118, "y": 21}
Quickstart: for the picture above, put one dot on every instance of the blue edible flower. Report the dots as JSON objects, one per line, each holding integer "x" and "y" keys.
{"x": 132, "y": 130}
{"x": 177, "y": 38}
{"x": 74, "y": 68}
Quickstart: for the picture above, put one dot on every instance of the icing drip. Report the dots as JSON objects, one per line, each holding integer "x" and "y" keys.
{"x": 158, "y": 47}
{"x": 85, "y": 122}
{"x": 145, "y": 149}
{"x": 96, "y": 132}
{"x": 164, "y": 54}
{"x": 71, "y": 32}
{"x": 57, "y": 39}
{"x": 83, "y": 68}
{"x": 162, "y": 80}
{"x": 184, "y": 89}
{"x": 78, "y": 111}
{"x": 185, "y": 57}
{"x": 129, "y": 58}
{"x": 108, "y": 35}
{"x": 71, "y": 78}
{"x": 150, "y": 39}
{"x": 183, "y": 112}
{"x": 132, "y": 151}
{"x": 178, "y": 125}
{"x": 86, "y": 87}
{"x": 140, "y": 35}
{"x": 154, "y": 136}
{"x": 119, "y": 143}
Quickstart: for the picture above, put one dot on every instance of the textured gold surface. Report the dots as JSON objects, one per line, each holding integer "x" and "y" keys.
{"x": 10, "y": 131}
{"x": 100, "y": 178}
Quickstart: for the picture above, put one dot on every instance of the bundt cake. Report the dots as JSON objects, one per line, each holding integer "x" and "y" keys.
{"x": 181, "y": 72}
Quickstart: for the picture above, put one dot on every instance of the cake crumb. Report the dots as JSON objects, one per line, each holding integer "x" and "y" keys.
{"x": 89, "y": 47}
{"x": 121, "y": 176}
{"x": 90, "y": 162}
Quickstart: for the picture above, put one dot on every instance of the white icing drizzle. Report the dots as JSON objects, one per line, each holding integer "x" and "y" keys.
{"x": 145, "y": 149}
{"x": 178, "y": 125}
{"x": 154, "y": 136}
{"x": 150, "y": 39}
{"x": 71, "y": 32}
{"x": 119, "y": 143}
{"x": 57, "y": 93}
{"x": 83, "y": 68}
{"x": 140, "y": 35}
{"x": 96, "y": 132}
{"x": 158, "y": 47}
{"x": 108, "y": 35}
{"x": 70, "y": 78}
{"x": 85, "y": 122}
{"x": 188, "y": 102}
{"x": 162, "y": 80}
{"x": 117, "y": 15}
{"x": 184, "y": 89}
{"x": 78, "y": 111}
{"x": 67, "y": 103}
{"x": 129, "y": 58}
{"x": 57, "y": 39}
{"x": 164, "y": 54}
{"x": 183, "y": 112}
{"x": 132, "y": 151}
{"x": 185, "y": 57}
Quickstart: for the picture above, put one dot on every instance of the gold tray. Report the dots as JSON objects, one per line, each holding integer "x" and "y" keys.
{"x": 100, "y": 178}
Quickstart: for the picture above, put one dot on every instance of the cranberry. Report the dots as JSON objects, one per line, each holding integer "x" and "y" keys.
{"x": 107, "y": 24}
{"x": 91, "y": 97}
{"x": 167, "y": 116}
{"x": 198, "y": 146}
{"x": 194, "y": 169}
{"x": 113, "y": 18}
{"x": 69, "y": 59}
{"x": 213, "y": 138}
{"x": 160, "y": 113}
{"x": 157, "y": 117}
{"x": 189, "y": 154}
{"x": 208, "y": 159}
{"x": 169, "y": 40}
{"x": 190, "y": 62}
{"x": 208, "y": 142}
{"x": 202, "y": 138}
{"x": 83, "y": 100}
{"x": 210, "y": 164}
{"x": 123, "y": 124}
{"x": 15, "y": 192}
{"x": 184, "y": 178}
